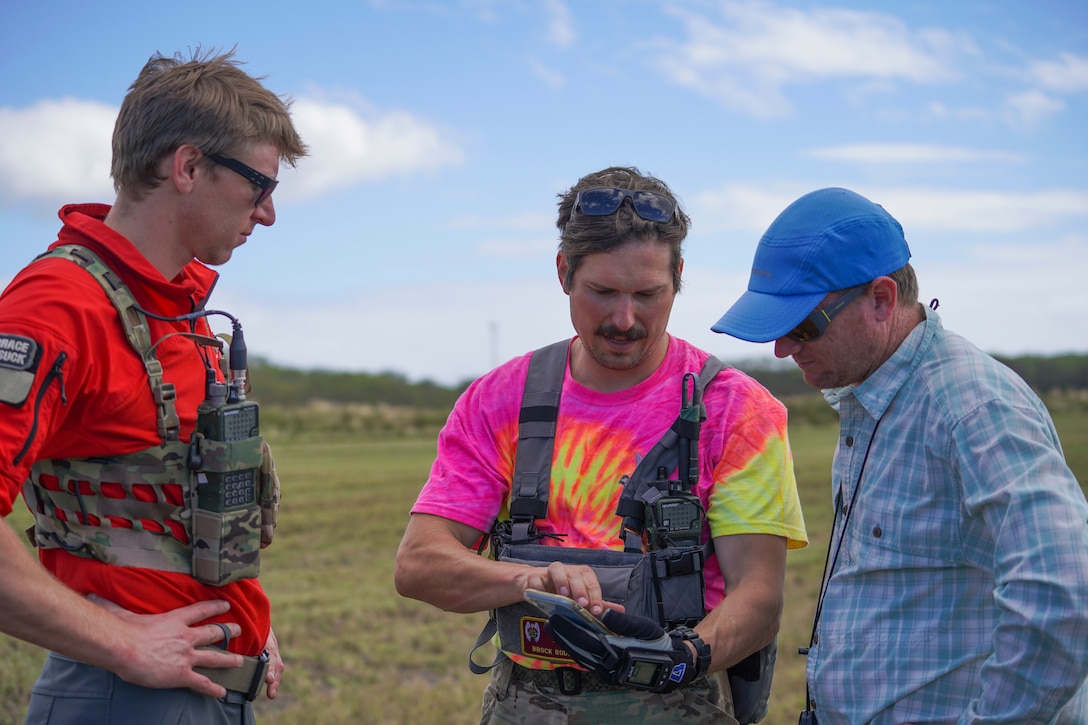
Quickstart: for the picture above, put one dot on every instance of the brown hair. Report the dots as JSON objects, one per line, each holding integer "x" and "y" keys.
{"x": 206, "y": 101}
{"x": 581, "y": 234}
{"x": 907, "y": 283}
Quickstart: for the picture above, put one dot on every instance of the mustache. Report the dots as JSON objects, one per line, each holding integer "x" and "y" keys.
{"x": 611, "y": 331}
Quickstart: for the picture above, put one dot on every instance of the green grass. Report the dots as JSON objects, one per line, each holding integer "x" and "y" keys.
{"x": 358, "y": 653}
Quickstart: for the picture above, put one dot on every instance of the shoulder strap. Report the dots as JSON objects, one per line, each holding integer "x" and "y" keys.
{"x": 136, "y": 329}
{"x": 536, "y": 439}
{"x": 536, "y": 442}
{"x": 683, "y": 433}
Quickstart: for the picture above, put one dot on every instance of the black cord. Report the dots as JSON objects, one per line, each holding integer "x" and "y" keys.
{"x": 825, "y": 577}
{"x": 237, "y": 355}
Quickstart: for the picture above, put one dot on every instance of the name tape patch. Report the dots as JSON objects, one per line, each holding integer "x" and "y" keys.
{"x": 17, "y": 352}
{"x": 18, "y": 363}
{"x": 536, "y": 642}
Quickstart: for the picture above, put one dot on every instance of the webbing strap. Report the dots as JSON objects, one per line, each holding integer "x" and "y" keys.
{"x": 136, "y": 329}
{"x": 536, "y": 443}
{"x": 536, "y": 439}
{"x": 637, "y": 486}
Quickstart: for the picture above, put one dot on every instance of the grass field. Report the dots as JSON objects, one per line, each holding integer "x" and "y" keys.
{"x": 358, "y": 653}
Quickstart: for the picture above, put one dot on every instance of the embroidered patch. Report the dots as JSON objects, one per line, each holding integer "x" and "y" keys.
{"x": 536, "y": 642}
{"x": 18, "y": 362}
{"x": 17, "y": 352}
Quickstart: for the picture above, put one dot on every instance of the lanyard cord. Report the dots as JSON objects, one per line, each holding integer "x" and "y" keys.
{"x": 825, "y": 577}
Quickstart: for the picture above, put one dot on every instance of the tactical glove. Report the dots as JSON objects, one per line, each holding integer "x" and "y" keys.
{"x": 636, "y": 652}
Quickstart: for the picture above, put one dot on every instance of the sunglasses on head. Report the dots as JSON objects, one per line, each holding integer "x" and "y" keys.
{"x": 814, "y": 325}
{"x": 265, "y": 184}
{"x": 603, "y": 201}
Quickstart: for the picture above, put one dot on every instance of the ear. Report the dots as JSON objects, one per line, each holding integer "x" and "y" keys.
{"x": 184, "y": 167}
{"x": 885, "y": 297}
{"x": 562, "y": 267}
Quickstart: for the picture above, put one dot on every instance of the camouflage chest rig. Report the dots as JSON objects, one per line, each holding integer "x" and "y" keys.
{"x": 203, "y": 508}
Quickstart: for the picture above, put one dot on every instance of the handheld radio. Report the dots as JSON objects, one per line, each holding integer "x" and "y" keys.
{"x": 226, "y": 457}
{"x": 674, "y": 515}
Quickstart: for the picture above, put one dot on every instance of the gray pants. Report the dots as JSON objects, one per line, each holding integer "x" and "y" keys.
{"x": 69, "y": 692}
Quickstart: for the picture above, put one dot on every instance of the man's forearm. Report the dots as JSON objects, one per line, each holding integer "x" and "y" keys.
{"x": 435, "y": 565}
{"x": 41, "y": 610}
{"x": 749, "y": 617}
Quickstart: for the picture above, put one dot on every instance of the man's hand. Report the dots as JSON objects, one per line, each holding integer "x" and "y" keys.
{"x": 638, "y": 653}
{"x": 576, "y": 581}
{"x": 166, "y": 647}
{"x": 275, "y": 666}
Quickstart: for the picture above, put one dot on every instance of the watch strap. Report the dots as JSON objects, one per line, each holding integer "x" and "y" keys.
{"x": 702, "y": 649}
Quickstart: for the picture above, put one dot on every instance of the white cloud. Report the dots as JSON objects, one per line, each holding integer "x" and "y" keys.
{"x": 560, "y": 26}
{"x": 1019, "y": 299}
{"x": 1069, "y": 74}
{"x": 982, "y": 211}
{"x": 447, "y": 332}
{"x": 873, "y": 153}
{"x": 757, "y": 49}
{"x": 1025, "y": 110}
{"x": 969, "y": 114}
{"x": 552, "y": 78}
{"x": 525, "y": 222}
{"x": 506, "y": 248}
{"x": 349, "y": 146}
{"x": 753, "y": 208}
{"x": 456, "y": 330}
{"x": 741, "y": 206}
{"x": 56, "y": 151}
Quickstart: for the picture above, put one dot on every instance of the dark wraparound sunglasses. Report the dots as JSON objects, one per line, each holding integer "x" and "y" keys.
{"x": 603, "y": 201}
{"x": 262, "y": 182}
{"x": 814, "y": 325}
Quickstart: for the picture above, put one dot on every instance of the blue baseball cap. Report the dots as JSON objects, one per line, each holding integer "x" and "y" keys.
{"x": 827, "y": 240}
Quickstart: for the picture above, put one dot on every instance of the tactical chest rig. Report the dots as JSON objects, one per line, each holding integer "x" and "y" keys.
{"x": 126, "y": 509}
{"x": 659, "y": 574}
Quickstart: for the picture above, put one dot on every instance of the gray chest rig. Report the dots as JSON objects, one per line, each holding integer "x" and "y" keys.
{"x": 659, "y": 574}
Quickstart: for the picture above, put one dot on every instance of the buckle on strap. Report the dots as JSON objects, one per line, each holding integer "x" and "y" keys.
{"x": 561, "y": 679}
{"x": 246, "y": 679}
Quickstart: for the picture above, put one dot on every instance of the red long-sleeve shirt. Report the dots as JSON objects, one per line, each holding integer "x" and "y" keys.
{"x": 101, "y": 403}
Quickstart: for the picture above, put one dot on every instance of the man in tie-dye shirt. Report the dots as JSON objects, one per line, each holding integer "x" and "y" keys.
{"x": 620, "y": 263}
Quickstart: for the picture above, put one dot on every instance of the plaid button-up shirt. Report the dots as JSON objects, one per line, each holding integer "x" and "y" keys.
{"x": 960, "y": 590}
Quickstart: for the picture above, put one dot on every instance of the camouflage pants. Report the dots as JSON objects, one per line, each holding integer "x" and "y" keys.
{"x": 510, "y": 701}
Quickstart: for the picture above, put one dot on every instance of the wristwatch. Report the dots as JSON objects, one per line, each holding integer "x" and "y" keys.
{"x": 702, "y": 649}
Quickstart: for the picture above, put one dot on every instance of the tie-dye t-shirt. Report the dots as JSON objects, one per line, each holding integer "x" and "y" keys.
{"x": 746, "y": 480}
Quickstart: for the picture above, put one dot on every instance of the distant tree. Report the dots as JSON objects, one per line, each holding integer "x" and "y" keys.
{"x": 278, "y": 385}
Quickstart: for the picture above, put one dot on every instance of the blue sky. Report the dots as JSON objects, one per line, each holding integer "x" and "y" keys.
{"x": 419, "y": 237}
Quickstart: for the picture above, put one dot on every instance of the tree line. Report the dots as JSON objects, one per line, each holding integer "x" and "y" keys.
{"x": 285, "y": 386}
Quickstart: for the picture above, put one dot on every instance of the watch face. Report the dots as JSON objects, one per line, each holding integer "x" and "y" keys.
{"x": 644, "y": 673}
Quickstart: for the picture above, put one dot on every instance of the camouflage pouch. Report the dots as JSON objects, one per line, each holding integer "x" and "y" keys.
{"x": 227, "y": 517}
{"x": 270, "y": 495}
{"x": 119, "y": 510}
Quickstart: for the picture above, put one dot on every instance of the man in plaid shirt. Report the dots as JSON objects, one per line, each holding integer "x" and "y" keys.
{"x": 956, "y": 589}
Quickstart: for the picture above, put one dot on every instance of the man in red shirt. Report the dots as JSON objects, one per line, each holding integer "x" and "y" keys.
{"x": 105, "y": 356}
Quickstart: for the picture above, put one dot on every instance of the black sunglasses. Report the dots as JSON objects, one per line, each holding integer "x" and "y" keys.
{"x": 262, "y": 182}
{"x": 649, "y": 205}
{"x": 814, "y": 325}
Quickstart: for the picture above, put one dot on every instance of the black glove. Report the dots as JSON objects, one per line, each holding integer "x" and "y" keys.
{"x": 636, "y": 652}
